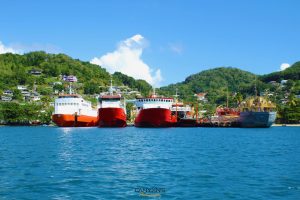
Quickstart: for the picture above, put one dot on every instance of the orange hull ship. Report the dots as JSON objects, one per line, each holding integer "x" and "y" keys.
{"x": 71, "y": 110}
{"x": 155, "y": 117}
{"x": 65, "y": 120}
{"x": 112, "y": 117}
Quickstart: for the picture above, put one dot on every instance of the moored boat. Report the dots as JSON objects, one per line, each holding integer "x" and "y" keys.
{"x": 183, "y": 115}
{"x": 71, "y": 110}
{"x": 112, "y": 112}
{"x": 225, "y": 116}
{"x": 257, "y": 112}
{"x": 154, "y": 111}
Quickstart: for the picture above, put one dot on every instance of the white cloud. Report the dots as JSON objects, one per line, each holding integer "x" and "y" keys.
{"x": 6, "y": 49}
{"x": 283, "y": 66}
{"x": 127, "y": 59}
{"x": 18, "y": 48}
{"x": 176, "y": 48}
{"x": 23, "y": 48}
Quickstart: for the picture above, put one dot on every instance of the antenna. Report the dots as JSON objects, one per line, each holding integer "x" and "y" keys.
{"x": 34, "y": 86}
{"x": 255, "y": 89}
{"x": 176, "y": 95}
{"x": 70, "y": 88}
{"x": 111, "y": 87}
{"x": 227, "y": 97}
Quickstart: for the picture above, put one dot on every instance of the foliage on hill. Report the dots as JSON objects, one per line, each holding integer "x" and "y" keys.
{"x": 239, "y": 84}
{"x": 215, "y": 82}
{"x": 140, "y": 85}
{"x": 14, "y": 70}
{"x": 291, "y": 73}
{"x": 23, "y": 114}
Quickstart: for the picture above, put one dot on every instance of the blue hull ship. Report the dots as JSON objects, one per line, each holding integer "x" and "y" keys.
{"x": 252, "y": 119}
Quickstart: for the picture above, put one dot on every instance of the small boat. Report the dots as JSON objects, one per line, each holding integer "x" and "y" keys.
{"x": 184, "y": 115}
{"x": 225, "y": 117}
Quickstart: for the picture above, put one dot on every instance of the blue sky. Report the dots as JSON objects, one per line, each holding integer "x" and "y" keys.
{"x": 174, "y": 38}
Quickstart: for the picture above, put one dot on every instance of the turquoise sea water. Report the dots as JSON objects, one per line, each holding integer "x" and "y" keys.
{"x": 172, "y": 163}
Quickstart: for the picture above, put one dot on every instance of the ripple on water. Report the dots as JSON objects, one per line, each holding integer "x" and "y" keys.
{"x": 195, "y": 163}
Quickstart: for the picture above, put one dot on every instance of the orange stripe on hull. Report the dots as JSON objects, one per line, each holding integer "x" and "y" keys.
{"x": 155, "y": 117}
{"x": 64, "y": 120}
{"x": 112, "y": 117}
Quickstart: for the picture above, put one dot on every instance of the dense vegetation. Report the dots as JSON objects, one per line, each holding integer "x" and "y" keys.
{"x": 14, "y": 71}
{"x": 23, "y": 114}
{"x": 291, "y": 73}
{"x": 215, "y": 82}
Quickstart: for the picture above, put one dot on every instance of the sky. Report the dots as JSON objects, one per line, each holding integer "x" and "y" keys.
{"x": 160, "y": 41}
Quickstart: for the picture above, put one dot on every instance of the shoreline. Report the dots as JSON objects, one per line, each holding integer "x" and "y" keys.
{"x": 131, "y": 125}
{"x": 290, "y": 125}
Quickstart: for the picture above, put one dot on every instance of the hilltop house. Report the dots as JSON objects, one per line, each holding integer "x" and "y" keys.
{"x": 35, "y": 72}
{"x": 21, "y": 87}
{"x": 69, "y": 78}
{"x": 283, "y": 82}
{"x": 6, "y": 98}
{"x": 273, "y": 83}
{"x": 8, "y": 93}
{"x": 201, "y": 96}
{"x": 35, "y": 96}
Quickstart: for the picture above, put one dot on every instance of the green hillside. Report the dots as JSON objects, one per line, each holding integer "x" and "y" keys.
{"x": 291, "y": 73}
{"x": 214, "y": 82}
{"x": 14, "y": 71}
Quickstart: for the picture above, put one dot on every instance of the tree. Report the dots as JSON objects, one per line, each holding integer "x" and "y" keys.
{"x": 17, "y": 95}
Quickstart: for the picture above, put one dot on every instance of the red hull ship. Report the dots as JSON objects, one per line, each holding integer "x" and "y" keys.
{"x": 154, "y": 111}
{"x": 64, "y": 120}
{"x": 155, "y": 117}
{"x": 111, "y": 112}
{"x": 112, "y": 117}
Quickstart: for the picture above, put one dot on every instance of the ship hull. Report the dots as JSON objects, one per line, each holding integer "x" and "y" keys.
{"x": 112, "y": 117}
{"x": 68, "y": 120}
{"x": 186, "y": 123}
{"x": 257, "y": 119}
{"x": 155, "y": 117}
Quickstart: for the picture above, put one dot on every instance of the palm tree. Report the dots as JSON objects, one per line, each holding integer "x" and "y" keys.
{"x": 291, "y": 100}
{"x": 238, "y": 98}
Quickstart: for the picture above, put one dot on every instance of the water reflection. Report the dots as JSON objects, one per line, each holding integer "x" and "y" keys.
{"x": 66, "y": 146}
